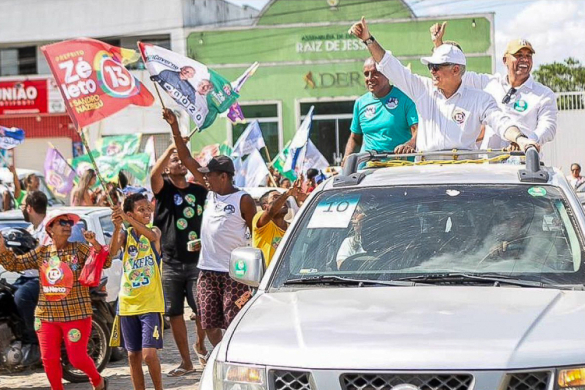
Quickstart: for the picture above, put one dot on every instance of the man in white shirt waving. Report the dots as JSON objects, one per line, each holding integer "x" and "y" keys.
{"x": 450, "y": 114}
{"x": 530, "y": 104}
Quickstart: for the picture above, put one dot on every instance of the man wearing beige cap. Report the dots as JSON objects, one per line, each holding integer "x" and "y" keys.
{"x": 450, "y": 114}
{"x": 532, "y": 105}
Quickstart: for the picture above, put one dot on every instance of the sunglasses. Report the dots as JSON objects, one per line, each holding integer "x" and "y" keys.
{"x": 436, "y": 67}
{"x": 509, "y": 95}
{"x": 66, "y": 222}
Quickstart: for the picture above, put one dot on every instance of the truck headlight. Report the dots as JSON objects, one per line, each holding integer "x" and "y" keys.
{"x": 571, "y": 378}
{"x": 239, "y": 377}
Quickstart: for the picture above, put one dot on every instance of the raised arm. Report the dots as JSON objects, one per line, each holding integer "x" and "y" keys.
{"x": 412, "y": 85}
{"x": 118, "y": 237}
{"x": 156, "y": 175}
{"x": 269, "y": 214}
{"x": 17, "y": 187}
{"x": 190, "y": 163}
{"x": 153, "y": 235}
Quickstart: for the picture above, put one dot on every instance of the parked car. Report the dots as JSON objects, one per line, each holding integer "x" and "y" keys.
{"x": 420, "y": 276}
{"x": 6, "y": 183}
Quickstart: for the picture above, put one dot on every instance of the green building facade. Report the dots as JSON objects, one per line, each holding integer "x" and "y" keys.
{"x": 308, "y": 58}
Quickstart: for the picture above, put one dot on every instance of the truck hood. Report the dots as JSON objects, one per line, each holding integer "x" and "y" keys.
{"x": 405, "y": 328}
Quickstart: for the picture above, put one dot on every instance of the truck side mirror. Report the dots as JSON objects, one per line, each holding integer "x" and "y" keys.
{"x": 247, "y": 266}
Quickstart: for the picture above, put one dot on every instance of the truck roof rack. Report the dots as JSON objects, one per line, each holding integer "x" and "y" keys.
{"x": 351, "y": 176}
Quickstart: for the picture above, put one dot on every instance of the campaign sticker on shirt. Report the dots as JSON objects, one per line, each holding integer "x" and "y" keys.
{"x": 229, "y": 209}
{"x": 370, "y": 112}
{"x": 191, "y": 199}
{"x": 392, "y": 103}
{"x": 334, "y": 212}
{"x": 199, "y": 210}
{"x": 520, "y": 105}
{"x": 459, "y": 116}
{"x": 192, "y": 236}
{"x": 144, "y": 244}
{"x": 188, "y": 212}
{"x": 182, "y": 224}
{"x": 38, "y": 324}
{"x": 178, "y": 199}
{"x": 132, "y": 251}
{"x": 56, "y": 282}
{"x": 74, "y": 335}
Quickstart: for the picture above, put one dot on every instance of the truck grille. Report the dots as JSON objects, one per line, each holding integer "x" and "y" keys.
{"x": 422, "y": 381}
{"x": 290, "y": 380}
{"x": 529, "y": 381}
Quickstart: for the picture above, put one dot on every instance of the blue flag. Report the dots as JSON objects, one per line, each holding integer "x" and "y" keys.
{"x": 297, "y": 148}
{"x": 10, "y": 137}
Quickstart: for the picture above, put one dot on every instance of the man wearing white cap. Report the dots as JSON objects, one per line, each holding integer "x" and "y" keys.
{"x": 450, "y": 114}
{"x": 532, "y": 105}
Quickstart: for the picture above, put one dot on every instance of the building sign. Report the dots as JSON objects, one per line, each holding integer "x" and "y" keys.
{"x": 330, "y": 80}
{"x": 29, "y": 97}
{"x": 329, "y": 42}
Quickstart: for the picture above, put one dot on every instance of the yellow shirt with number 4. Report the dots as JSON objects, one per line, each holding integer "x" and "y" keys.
{"x": 266, "y": 238}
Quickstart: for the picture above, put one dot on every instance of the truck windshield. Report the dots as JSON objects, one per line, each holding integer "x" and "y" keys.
{"x": 389, "y": 233}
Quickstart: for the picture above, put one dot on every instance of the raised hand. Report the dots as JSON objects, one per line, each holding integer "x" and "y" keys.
{"x": 90, "y": 237}
{"x": 360, "y": 30}
{"x": 437, "y": 33}
{"x": 169, "y": 116}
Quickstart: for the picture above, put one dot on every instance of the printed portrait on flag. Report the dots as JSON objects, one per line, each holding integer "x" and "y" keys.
{"x": 199, "y": 90}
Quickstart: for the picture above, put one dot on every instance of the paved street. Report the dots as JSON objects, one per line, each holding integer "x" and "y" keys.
{"x": 118, "y": 372}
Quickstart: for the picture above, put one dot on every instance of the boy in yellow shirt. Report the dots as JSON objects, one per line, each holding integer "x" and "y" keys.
{"x": 141, "y": 301}
{"x": 268, "y": 225}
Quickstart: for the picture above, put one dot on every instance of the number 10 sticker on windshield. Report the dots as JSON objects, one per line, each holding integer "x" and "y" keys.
{"x": 334, "y": 213}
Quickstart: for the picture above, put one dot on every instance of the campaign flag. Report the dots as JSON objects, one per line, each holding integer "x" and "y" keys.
{"x": 225, "y": 150}
{"x": 252, "y": 171}
{"x": 149, "y": 149}
{"x": 279, "y": 161}
{"x": 10, "y": 137}
{"x": 235, "y": 114}
{"x": 314, "y": 158}
{"x": 93, "y": 80}
{"x": 297, "y": 148}
{"x": 202, "y": 92}
{"x": 250, "y": 140}
{"x": 136, "y": 165}
{"x": 207, "y": 153}
{"x": 118, "y": 145}
{"x": 58, "y": 173}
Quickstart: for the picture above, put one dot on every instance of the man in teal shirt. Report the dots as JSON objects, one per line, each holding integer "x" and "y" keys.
{"x": 384, "y": 119}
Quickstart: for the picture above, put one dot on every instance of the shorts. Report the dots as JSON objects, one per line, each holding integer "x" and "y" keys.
{"x": 179, "y": 282}
{"x": 142, "y": 331}
{"x": 219, "y": 298}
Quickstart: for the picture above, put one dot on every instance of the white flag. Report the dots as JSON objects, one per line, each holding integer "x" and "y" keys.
{"x": 252, "y": 172}
{"x": 296, "y": 156}
{"x": 314, "y": 158}
{"x": 250, "y": 140}
{"x": 149, "y": 149}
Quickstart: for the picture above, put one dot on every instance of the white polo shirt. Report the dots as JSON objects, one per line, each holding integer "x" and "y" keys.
{"x": 445, "y": 123}
{"x": 533, "y": 107}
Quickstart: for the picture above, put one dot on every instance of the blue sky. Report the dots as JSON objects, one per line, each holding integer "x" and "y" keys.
{"x": 556, "y": 28}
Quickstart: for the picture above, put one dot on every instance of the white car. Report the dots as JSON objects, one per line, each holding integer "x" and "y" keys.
{"x": 439, "y": 275}
{"x": 95, "y": 219}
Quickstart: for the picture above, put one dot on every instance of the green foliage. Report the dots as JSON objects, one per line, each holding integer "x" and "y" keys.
{"x": 566, "y": 76}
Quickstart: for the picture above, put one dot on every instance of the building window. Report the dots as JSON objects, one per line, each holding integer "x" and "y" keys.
{"x": 18, "y": 61}
{"x": 330, "y": 130}
{"x": 268, "y": 117}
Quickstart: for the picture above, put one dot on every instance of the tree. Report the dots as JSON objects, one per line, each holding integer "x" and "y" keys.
{"x": 566, "y": 76}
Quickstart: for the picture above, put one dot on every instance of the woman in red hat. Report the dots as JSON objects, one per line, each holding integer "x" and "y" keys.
{"x": 64, "y": 310}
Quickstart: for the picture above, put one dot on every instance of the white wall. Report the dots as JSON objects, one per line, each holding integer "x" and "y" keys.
{"x": 569, "y": 144}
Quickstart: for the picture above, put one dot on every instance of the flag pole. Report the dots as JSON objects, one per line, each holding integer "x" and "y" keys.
{"x": 97, "y": 171}
{"x": 268, "y": 166}
{"x": 159, "y": 96}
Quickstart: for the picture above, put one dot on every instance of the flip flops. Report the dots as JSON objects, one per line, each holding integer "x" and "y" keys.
{"x": 203, "y": 357}
{"x": 179, "y": 371}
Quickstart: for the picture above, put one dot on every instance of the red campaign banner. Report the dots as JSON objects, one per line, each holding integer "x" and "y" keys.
{"x": 93, "y": 80}
{"x": 23, "y": 97}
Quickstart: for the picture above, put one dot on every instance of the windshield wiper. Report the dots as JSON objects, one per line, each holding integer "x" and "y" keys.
{"x": 331, "y": 279}
{"x": 496, "y": 279}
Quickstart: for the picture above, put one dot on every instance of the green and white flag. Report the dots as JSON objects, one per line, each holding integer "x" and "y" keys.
{"x": 118, "y": 145}
{"x": 280, "y": 160}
